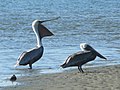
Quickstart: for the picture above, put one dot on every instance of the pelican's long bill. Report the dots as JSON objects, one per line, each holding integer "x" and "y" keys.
{"x": 50, "y": 19}
{"x": 87, "y": 47}
{"x": 43, "y": 31}
{"x": 99, "y": 55}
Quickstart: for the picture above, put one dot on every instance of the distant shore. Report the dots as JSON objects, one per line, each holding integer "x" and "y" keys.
{"x": 97, "y": 78}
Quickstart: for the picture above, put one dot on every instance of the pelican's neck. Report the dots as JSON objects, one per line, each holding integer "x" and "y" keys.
{"x": 39, "y": 40}
{"x": 81, "y": 47}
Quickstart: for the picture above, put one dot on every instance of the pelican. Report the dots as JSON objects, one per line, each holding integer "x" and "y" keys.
{"x": 82, "y": 57}
{"x": 31, "y": 56}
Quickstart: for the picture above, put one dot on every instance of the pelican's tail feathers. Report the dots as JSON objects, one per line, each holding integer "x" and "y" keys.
{"x": 63, "y": 65}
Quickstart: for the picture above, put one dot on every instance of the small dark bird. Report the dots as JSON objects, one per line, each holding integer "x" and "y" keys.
{"x": 82, "y": 57}
{"x": 13, "y": 78}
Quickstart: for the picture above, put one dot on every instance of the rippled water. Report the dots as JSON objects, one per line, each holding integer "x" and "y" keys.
{"x": 96, "y": 22}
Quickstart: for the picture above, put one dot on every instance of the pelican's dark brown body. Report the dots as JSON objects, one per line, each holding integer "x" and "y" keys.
{"x": 82, "y": 57}
{"x": 31, "y": 56}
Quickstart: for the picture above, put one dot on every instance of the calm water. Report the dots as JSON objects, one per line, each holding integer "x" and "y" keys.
{"x": 96, "y": 22}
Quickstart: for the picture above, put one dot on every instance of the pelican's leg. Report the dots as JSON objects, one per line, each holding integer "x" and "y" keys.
{"x": 80, "y": 69}
{"x": 30, "y": 65}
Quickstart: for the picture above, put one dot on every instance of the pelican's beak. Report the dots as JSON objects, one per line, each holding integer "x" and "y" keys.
{"x": 88, "y": 47}
{"x": 50, "y": 19}
{"x": 45, "y": 21}
{"x": 99, "y": 55}
{"x": 43, "y": 31}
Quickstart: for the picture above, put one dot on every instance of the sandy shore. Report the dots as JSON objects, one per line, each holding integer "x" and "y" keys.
{"x": 97, "y": 78}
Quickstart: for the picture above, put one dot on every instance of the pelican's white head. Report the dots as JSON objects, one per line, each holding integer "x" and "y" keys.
{"x": 83, "y": 46}
{"x": 40, "y": 30}
{"x": 86, "y": 47}
{"x": 35, "y": 23}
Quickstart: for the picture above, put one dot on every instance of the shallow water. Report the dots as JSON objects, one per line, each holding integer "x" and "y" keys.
{"x": 96, "y": 22}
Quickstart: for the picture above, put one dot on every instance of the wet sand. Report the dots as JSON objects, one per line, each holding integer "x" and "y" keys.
{"x": 97, "y": 78}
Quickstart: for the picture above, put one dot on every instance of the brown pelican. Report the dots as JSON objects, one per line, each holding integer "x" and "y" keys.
{"x": 31, "y": 56}
{"x": 13, "y": 78}
{"x": 82, "y": 57}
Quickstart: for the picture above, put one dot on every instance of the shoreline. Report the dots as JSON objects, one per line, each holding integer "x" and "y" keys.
{"x": 94, "y": 78}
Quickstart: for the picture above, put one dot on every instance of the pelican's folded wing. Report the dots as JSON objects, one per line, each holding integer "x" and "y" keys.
{"x": 30, "y": 56}
{"x": 22, "y": 55}
{"x": 77, "y": 58}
